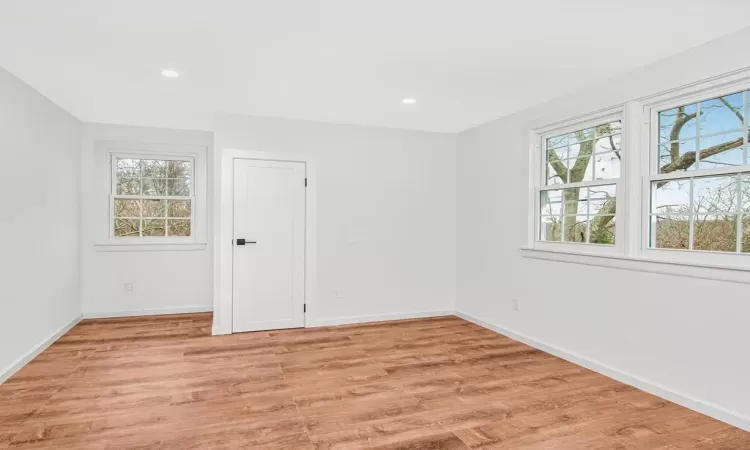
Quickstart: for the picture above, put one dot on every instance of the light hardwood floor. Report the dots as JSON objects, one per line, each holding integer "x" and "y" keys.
{"x": 442, "y": 383}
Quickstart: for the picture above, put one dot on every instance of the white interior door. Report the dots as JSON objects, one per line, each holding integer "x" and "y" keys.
{"x": 269, "y": 269}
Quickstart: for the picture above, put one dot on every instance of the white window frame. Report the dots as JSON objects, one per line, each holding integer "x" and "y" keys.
{"x": 538, "y": 166}
{"x": 106, "y": 188}
{"x": 650, "y": 149}
{"x": 113, "y": 196}
{"x": 639, "y": 150}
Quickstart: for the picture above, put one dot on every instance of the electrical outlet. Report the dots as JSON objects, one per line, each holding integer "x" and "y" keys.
{"x": 516, "y": 304}
{"x": 127, "y": 287}
{"x": 338, "y": 294}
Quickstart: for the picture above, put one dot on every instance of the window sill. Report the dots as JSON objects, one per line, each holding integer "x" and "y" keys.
{"x": 150, "y": 247}
{"x": 648, "y": 264}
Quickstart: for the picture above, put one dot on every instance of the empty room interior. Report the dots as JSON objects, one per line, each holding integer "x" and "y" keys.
{"x": 338, "y": 224}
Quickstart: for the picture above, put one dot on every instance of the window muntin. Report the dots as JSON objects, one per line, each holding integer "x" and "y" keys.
{"x": 699, "y": 190}
{"x": 708, "y": 134}
{"x": 152, "y": 197}
{"x": 709, "y": 213}
{"x": 578, "y": 200}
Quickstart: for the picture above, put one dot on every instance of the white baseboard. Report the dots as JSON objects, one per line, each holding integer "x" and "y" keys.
{"x": 378, "y": 318}
{"x": 18, "y": 364}
{"x": 701, "y": 406}
{"x": 148, "y": 312}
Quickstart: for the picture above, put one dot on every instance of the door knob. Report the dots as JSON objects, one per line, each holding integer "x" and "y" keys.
{"x": 243, "y": 242}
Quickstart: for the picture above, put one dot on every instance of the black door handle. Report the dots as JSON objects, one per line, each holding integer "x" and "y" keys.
{"x": 243, "y": 242}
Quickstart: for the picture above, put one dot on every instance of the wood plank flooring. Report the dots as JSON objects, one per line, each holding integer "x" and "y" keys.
{"x": 443, "y": 383}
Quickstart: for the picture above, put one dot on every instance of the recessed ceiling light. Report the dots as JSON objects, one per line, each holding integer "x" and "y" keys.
{"x": 170, "y": 73}
{"x": 409, "y": 101}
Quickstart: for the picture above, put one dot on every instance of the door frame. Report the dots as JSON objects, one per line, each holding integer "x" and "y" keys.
{"x": 224, "y": 231}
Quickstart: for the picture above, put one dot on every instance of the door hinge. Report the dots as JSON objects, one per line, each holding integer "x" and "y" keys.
{"x": 305, "y": 182}
{"x": 304, "y": 307}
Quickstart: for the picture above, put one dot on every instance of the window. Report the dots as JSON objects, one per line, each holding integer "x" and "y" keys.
{"x": 678, "y": 203}
{"x": 578, "y": 193}
{"x": 152, "y": 197}
{"x": 699, "y": 180}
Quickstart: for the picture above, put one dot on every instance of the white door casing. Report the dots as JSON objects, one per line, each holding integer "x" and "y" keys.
{"x": 268, "y": 272}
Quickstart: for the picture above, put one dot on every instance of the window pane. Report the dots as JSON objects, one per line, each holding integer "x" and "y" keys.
{"x": 553, "y": 177}
{"x": 670, "y": 197}
{"x": 551, "y": 202}
{"x": 602, "y": 199}
{"x": 127, "y": 208}
{"x": 715, "y": 233}
{"x": 609, "y": 128}
{"x": 715, "y": 194}
{"x": 672, "y": 152}
{"x": 127, "y": 227}
{"x": 721, "y": 114}
{"x": 581, "y": 136}
{"x": 574, "y": 150}
{"x": 154, "y": 227}
{"x": 128, "y": 168}
{"x": 608, "y": 144}
{"x": 154, "y": 187}
{"x": 677, "y": 124}
{"x": 178, "y": 169}
{"x": 722, "y": 150}
{"x": 745, "y": 188}
{"x": 574, "y": 228}
{"x": 746, "y": 234}
{"x": 559, "y": 145}
{"x": 582, "y": 169}
{"x": 550, "y": 229}
{"x": 178, "y": 187}
{"x": 179, "y": 227}
{"x": 575, "y": 201}
{"x": 154, "y": 168}
{"x": 128, "y": 186}
{"x": 607, "y": 166}
{"x": 153, "y": 208}
{"x": 179, "y": 208}
{"x": 603, "y": 230}
{"x": 671, "y": 231}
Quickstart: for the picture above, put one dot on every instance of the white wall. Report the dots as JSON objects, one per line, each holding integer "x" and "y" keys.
{"x": 385, "y": 216}
{"x": 39, "y": 150}
{"x": 163, "y": 281}
{"x": 688, "y": 335}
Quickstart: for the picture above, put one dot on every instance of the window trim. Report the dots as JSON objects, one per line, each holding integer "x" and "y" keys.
{"x": 105, "y": 186}
{"x": 537, "y": 169}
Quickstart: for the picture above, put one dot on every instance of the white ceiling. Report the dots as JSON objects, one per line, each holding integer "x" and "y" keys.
{"x": 346, "y": 61}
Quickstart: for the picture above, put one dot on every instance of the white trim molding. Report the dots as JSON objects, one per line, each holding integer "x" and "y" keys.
{"x": 224, "y": 235}
{"x": 701, "y": 406}
{"x": 148, "y": 312}
{"x": 325, "y": 322}
{"x": 699, "y": 270}
{"x": 26, "y": 358}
